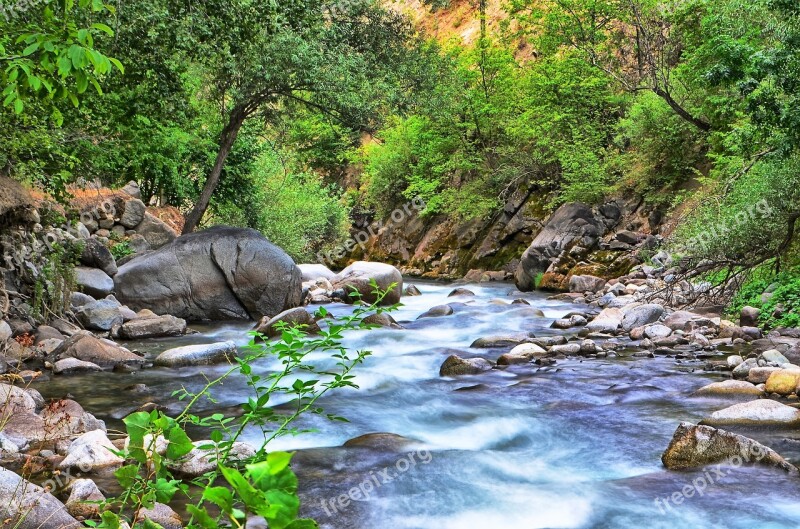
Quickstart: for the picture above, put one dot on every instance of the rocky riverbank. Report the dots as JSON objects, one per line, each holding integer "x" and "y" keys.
{"x": 161, "y": 290}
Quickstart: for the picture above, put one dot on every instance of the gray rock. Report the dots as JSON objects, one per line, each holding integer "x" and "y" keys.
{"x": 411, "y": 290}
{"x": 197, "y": 355}
{"x": 312, "y": 272}
{"x": 84, "y": 498}
{"x": 749, "y": 317}
{"x": 96, "y": 255}
{"x": 686, "y": 321}
{"x": 437, "y": 311}
{"x": 296, "y": 317}
{"x": 200, "y": 461}
{"x": 93, "y": 281}
{"x": 70, "y": 366}
{"x": 358, "y": 276}
{"x": 655, "y": 332}
{"x": 460, "y": 292}
{"x": 383, "y": 320}
{"x": 161, "y": 514}
{"x": 586, "y": 283}
{"x": 132, "y": 189}
{"x": 694, "y": 446}
{"x": 133, "y": 213}
{"x": 607, "y": 322}
{"x": 217, "y": 274}
{"x": 762, "y": 412}
{"x": 743, "y": 369}
{"x": 522, "y": 354}
{"x": 152, "y": 327}
{"x": 491, "y": 342}
{"x": 100, "y": 315}
{"x": 155, "y": 231}
{"x": 5, "y": 331}
{"x": 91, "y": 451}
{"x": 24, "y": 505}
{"x": 570, "y": 223}
{"x": 454, "y": 365}
{"x": 730, "y": 387}
{"x": 102, "y": 353}
{"x": 773, "y": 356}
{"x": 79, "y": 299}
{"x": 566, "y": 349}
{"x": 639, "y": 315}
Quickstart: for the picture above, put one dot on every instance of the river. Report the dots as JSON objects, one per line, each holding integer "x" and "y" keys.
{"x": 574, "y": 445}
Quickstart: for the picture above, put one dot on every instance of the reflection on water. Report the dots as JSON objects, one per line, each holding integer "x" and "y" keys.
{"x": 574, "y": 445}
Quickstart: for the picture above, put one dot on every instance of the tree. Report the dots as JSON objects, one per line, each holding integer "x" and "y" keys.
{"x": 50, "y": 55}
{"x": 633, "y": 41}
{"x": 262, "y": 58}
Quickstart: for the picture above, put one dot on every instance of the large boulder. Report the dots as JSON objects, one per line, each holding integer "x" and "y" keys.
{"x": 694, "y": 446}
{"x": 359, "y": 275}
{"x": 96, "y": 255}
{"x": 217, "y": 274}
{"x": 155, "y": 231}
{"x": 197, "y": 355}
{"x": 24, "y": 505}
{"x": 99, "y": 352}
{"x": 571, "y": 223}
{"x": 93, "y": 281}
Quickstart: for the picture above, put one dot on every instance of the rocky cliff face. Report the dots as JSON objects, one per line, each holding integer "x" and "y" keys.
{"x": 520, "y": 241}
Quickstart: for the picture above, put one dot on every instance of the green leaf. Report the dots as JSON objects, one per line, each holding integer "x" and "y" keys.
{"x": 179, "y": 443}
{"x": 202, "y": 517}
{"x": 222, "y": 497}
{"x": 30, "y": 49}
{"x": 19, "y": 106}
{"x": 127, "y": 475}
{"x": 104, "y": 28}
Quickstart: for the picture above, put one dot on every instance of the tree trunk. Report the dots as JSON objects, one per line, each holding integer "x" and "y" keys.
{"x": 682, "y": 112}
{"x": 226, "y": 140}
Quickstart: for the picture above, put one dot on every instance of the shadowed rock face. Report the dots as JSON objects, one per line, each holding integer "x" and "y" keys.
{"x": 571, "y": 222}
{"x": 217, "y": 274}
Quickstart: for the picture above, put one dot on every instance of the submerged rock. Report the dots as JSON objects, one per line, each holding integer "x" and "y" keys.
{"x": 490, "y": 342}
{"x": 382, "y": 320}
{"x": 730, "y": 387}
{"x": 455, "y": 366}
{"x": 694, "y": 446}
{"x": 437, "y": 311}
{"x": 460, "y": 292}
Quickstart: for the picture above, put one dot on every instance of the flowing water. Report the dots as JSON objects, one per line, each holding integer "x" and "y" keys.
{"x": 575, "y": 445}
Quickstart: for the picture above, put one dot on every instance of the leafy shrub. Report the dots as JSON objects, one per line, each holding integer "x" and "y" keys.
{"x": 265, "y": 484}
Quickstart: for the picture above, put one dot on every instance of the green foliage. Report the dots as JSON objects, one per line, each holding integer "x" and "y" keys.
{"x": 292, "y": 208}
{"x": 263, "y": 485}
{"x": 49, "y": 53}
{"x": 121, "y": 249}
{"x": 782, "y": 309}
{"x": 660, "y": 152}
{"x": 54, "y": 279}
